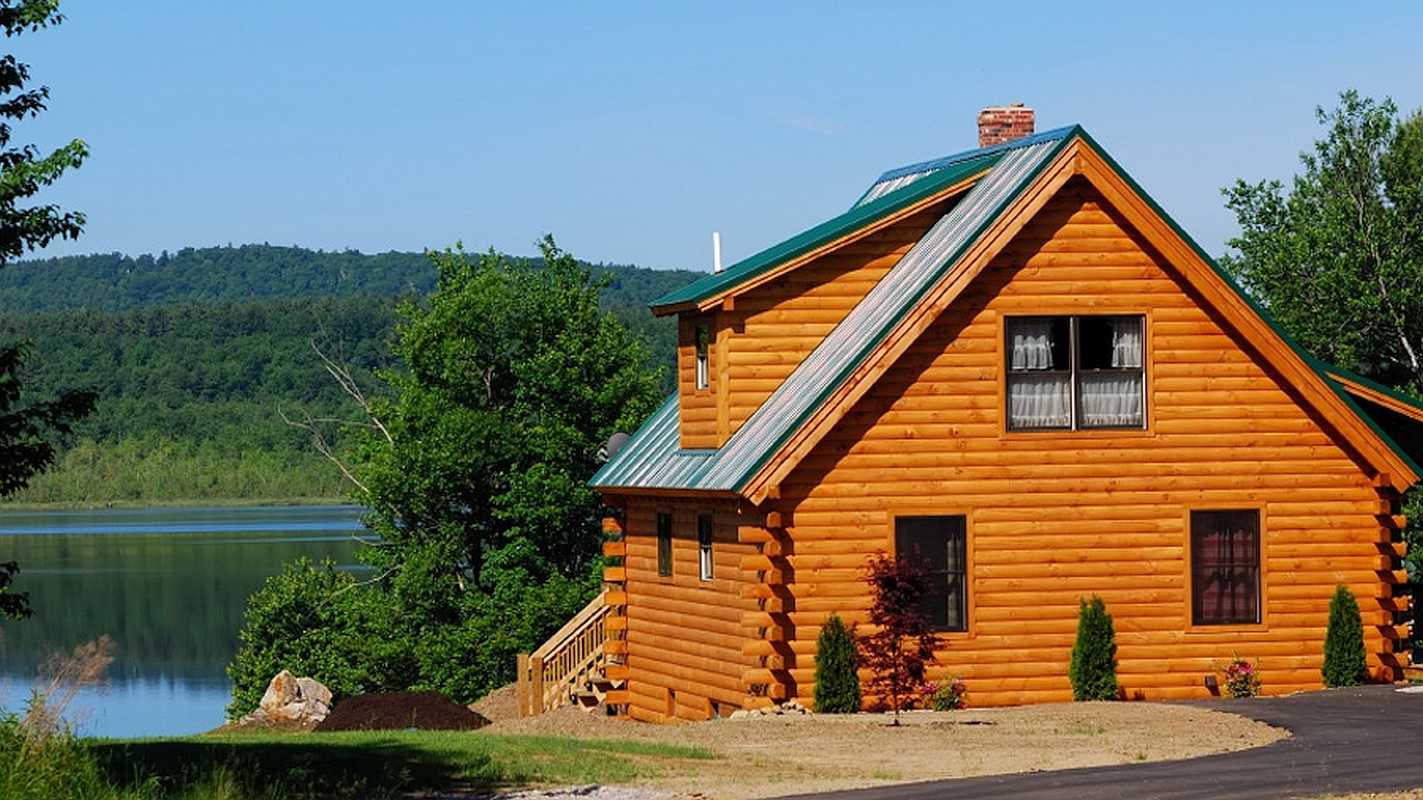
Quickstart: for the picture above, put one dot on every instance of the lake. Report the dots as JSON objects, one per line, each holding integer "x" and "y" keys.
{"x": 169, "y": 585}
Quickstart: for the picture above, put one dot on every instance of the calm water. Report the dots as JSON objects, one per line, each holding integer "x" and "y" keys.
{"x": 168, "y": 585}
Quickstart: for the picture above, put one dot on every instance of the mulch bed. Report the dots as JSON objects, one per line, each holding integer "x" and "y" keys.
{"x": 386, "y": 711}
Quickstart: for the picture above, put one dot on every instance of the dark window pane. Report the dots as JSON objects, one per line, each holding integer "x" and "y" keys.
{"x": 664, "y": 544}
{"x": 1225, "y": 567}
{"x": 1039, "y": 343}
{"x": 705, "y": 530}
{"x": 938, "y": 545}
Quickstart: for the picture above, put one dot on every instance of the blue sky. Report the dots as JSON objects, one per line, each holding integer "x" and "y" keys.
{"x": 631, "y": 131}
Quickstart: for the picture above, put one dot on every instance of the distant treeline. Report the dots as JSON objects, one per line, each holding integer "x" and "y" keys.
{"x": 192, "y": 354}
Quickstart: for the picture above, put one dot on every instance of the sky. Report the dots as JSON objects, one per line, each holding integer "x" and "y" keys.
{"x": 632, "y": 131}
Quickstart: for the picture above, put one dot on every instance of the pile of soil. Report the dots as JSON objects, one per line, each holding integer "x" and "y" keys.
{"x": 498, "y": 705}
{"x": 387, "y": 711}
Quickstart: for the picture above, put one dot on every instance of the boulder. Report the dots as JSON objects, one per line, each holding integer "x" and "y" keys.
{"x": 292, "y": 702}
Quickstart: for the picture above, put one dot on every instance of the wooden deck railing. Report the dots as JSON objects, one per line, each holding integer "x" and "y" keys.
{"x": 548, "y": 675}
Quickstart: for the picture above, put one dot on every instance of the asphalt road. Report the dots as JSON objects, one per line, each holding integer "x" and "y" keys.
{"x": 1344, "y": 740}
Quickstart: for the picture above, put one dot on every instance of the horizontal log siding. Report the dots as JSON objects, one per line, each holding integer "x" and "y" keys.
{"x": 698, "y": 409}
{"x": 1056, "y": 516}
{"x": 684, "y": 634}
{"x": 776, "y": 325}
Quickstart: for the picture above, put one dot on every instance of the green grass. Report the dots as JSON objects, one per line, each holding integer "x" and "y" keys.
{"x": 370, "y": 764}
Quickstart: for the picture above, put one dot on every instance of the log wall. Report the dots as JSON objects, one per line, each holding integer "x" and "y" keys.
{"x": 684, "y": 635}
{"x": 1053, "y": 516}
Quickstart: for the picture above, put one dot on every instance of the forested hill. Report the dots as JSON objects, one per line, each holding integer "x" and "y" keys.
{"x": 194, "y": 353}
{"x": 116, "y": 282}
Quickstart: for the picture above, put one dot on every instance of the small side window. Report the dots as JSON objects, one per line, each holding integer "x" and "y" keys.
{"x": 664, "y": 543}
{"x": 705, "y": 526}
{"x": 1225, "y": 567}
{"x": 703, "y": 341}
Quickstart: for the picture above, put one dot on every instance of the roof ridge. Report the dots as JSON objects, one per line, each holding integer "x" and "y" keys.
{"x": 944, "y": 161}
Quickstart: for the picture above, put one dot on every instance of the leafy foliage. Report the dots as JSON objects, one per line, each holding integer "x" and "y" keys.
{"x": 1093, "y": 669}
{"x": 23, "y": 171}
{"x": 837, "y": 679}
{"x": 902, "y": 646}
{"x": 13, "y": 605}
{"x": 1242, "y": 677}
{"x": 950, "y": 696}
{"x": 316, "y": 621}
{"x": 1344, "y": 641}
{"x": 29, "y": 429}
{"x": 1338, "y": 261}
{"x": 474, "y": 465}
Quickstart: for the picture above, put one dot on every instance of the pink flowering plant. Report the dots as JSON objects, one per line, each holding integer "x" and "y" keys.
{"x": 1242, "y": 677}
{"x": 948, "y": 696}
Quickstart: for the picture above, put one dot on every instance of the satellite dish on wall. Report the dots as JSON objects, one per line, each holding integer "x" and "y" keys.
{"x": 615, "y": 443}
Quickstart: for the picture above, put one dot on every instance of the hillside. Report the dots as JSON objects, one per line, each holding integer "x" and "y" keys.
{"x": 194, "y": 352}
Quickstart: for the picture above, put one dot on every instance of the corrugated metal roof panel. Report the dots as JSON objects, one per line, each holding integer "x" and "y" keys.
{"x": 900, "y": 177}
{"x": 653, "y": 458}
{"x": 864, "y": 213}
{"x": 846, "y": 346}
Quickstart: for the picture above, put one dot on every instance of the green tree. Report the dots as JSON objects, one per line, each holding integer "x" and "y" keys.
{"x": 474, "y": 463}
{"x": 1338, "y": 260}
{"x": 837, "y": 678}
{"x": 28, "y": 429}
{"x": 1093, "y": 669}
{"x": 1344, "y": 641}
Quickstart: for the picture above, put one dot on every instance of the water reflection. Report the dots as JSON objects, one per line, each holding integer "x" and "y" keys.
{"x": 168, "y": 585}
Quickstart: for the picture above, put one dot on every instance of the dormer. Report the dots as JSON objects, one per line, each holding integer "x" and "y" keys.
{"x": 701, "y": 382}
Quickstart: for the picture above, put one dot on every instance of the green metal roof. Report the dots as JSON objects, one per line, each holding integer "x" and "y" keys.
{"x": 826, "y": 232}
{"x": 653, "y": 458}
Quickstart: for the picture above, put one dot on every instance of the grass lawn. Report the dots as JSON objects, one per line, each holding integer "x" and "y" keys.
{"x": 376, "y": 764}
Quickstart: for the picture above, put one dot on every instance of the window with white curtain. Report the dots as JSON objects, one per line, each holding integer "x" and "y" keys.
{"x": 706, "y": 527}
{"x": 703, "y": 344}
{"x": 1073, "y": 373}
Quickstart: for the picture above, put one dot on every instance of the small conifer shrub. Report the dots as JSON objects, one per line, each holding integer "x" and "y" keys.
{"x": 837, "y": 679}
{"x": 1093, "y": 670}
{"x": 1344, "y": 641}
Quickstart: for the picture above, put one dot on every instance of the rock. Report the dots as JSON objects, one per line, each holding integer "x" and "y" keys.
{"x": 292, "y": 700}
{"x": 311, "y": 689}
{"x": 282, "y": 690}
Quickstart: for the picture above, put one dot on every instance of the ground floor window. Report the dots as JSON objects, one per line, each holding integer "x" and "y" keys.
{"x": 940, "y": 544}
{"x": 705, "y": 526}
{"x": 1225, "y": 567}
{"x": 664, "y": 543}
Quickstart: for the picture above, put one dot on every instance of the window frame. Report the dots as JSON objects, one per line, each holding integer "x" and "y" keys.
{"x": 1261, "y": 574}
{"x": 1073, "y": 372}
{"x": 967, "y": 601}
{"x": 701, "y": 355}
{"x": 706, "y": 560}
{"x": 664, "y": 543}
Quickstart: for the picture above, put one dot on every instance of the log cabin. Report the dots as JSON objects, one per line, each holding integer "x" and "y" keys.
{"x": 1012, "y": 362}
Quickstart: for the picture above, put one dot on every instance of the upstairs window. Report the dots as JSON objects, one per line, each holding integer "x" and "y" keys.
{"x": 1075, "y": 373}
{"x": 706, "y": 525}
{"x": 1225, "y": 567}
{"x": 939, "y": 545}
{"x": 702, "y": 334}
{"x": 664, "y": 543}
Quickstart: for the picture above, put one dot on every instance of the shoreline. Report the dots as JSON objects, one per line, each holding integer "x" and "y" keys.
{"x": 200, "y": 502}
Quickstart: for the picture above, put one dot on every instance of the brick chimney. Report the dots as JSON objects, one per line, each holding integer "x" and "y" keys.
{"x": 999, "y": 124}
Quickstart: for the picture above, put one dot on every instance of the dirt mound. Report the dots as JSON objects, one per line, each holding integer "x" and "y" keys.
{"x": 385, "y": 711}
{"x": 500, "y": 704}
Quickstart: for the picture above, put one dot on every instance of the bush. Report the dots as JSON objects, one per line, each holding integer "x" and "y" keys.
{"x": 950, "y": 696}
{"x": 1344, "y": 641}
{"x": 1093, "y": 670}
{"x": 1242, "y": 677}
{"x": 317, "y": 622}
{"x": 837, "y": 679}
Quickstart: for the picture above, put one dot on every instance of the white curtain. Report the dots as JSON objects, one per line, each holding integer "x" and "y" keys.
{"x": 1032, "y": 345}
{"x": 1126, "y": 343}
{"x": 1039, "y": 401}
{"x": 1109, "y": 400}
